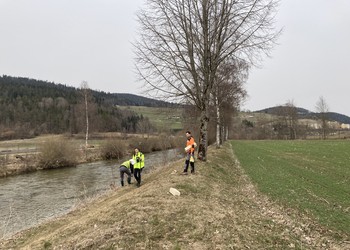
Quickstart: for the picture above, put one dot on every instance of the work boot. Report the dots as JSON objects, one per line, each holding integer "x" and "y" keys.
{"x": 129, "y": 180}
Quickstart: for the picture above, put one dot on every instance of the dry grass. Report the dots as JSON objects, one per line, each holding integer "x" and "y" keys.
{"x": 218, "y": 208}
{"x": 58, "y": 153}
{"x": 13, "y": 164}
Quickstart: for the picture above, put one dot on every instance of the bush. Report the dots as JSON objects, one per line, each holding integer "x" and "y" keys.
{"x": 146, "y": 145}
{"x": 158, "y": 143}
{"x": 113, "y": 149}
{"x": 178, "y": 142}
{"x": 57, "y": 153}
{"x": 154, "y": 144}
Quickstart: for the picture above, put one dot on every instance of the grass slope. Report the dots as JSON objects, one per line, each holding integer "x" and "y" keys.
{"x": 163, "y": 118}
{"x": 218, "y": 208}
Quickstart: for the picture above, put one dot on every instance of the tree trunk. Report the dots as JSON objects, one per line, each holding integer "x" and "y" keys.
{"x": 218, "y": 127}
{"x": 222, "y": 134}
{"x": 87, "y": 121}
{"x": 203, "y": 135}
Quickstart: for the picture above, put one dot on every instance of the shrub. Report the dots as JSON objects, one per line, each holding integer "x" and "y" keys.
{"x": 154, "y": 144}
{"x": 146, "y": 145}
{"x": 57, "y": 153}
{"x": 178, "y": 142}
{"x": 113, "y": 149}
{"x": 138, "y": 142}
{"x": 158, "y": 143}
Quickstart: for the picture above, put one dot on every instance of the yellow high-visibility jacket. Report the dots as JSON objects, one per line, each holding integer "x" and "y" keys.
{"x": 126, "y": 164}
{"x": 139, "y": 159}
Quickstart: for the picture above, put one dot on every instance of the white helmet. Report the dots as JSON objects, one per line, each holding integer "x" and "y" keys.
{"x": 132, "y": 161}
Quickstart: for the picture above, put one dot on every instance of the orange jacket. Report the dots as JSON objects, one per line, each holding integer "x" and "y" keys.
{"x": 190, "y": 142}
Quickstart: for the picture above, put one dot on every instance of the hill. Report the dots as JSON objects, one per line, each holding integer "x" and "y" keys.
{"x": 30, "y": 107}
{"x": 163, "y": 118}
{"x": 306, "y": 114}
{"x": 14, "y": 87}
{"x": 218, "y": 208}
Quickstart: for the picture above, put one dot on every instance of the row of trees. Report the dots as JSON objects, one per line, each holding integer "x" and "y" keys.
{"x": 199, "y": 52}
{"x": 285, "y": 124}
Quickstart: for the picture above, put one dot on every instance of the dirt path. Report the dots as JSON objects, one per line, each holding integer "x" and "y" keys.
{"x": 218, "y": 208}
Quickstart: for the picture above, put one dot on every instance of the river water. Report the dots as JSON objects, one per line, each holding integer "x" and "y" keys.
{"x": 29, "y": 199}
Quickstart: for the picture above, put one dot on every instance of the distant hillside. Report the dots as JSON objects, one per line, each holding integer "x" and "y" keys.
{"x": 20, "y": 86}
{"x": 122, "y": 99}
{"x": 276, "y": 110}
{"x": 306, "y": 114}
{"x": 339, "y": 117}
{"x": 31, "y": 107}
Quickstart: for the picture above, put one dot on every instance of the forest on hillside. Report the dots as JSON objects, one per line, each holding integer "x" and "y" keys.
{"x": 30, "y": 107}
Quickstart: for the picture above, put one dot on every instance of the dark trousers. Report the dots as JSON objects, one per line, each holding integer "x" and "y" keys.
{"x": 124, "y": 170}
{"x": 187, "y": 162}
{"x": 137, "y": 175}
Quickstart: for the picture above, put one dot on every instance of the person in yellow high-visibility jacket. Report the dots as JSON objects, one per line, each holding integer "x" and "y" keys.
{"x": 125, "y": 169}
{"x": 139, "y": 159}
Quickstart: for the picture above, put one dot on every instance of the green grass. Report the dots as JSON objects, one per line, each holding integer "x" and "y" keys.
{"x": 161, "y": 118}
{"x": 313, "y": 176}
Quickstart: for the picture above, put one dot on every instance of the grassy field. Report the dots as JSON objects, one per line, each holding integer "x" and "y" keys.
{"x": 161, "y": 118}
{"x": 312, "y": 176}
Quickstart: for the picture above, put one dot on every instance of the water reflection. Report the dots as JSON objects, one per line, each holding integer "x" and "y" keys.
{"x": 27, "y": 200}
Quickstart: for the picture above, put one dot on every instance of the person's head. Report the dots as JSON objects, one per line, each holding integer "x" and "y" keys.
{"x": 136, "y": 150}
{"x": 188, "y": 134}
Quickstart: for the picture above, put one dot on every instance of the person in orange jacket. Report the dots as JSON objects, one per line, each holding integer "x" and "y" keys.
{"x": 190, "y": 146}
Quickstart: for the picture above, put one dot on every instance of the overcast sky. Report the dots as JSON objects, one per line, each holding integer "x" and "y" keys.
{"x": 68, "y": 41}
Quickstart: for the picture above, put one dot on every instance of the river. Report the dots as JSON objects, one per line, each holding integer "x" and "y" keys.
{"x": 29, "y": 199}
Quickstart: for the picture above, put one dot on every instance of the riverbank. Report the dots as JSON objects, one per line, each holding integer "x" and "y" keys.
{"x": 30, "y": 199}
{"x": 23, "y": 156}
{"x": 218, "y": 208}
{"x": 26, "y": 161}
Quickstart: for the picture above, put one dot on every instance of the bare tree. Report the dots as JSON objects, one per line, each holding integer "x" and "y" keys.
{"x": 228, "y": 94}
{"x": 286, "y": 124}
{"x": 144, "y": 127}
{"x": 85, "y": 90}
{"x": 183, "y": 43}
{"x": 292, "y": 119}
{"x": 323, "y": 109}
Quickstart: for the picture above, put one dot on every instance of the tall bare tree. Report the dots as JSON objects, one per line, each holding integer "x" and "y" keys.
{"x": 286, "y": 123}
{"x": 182, "y": 44}
{"x": 292, "y": 119}
{"x": 323, "y": 109}
{"x": 85, "y": 90}
{"x": 228, "y": 93}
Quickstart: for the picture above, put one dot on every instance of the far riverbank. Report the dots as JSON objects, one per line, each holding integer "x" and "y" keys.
{"x": 23, "y": 156}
